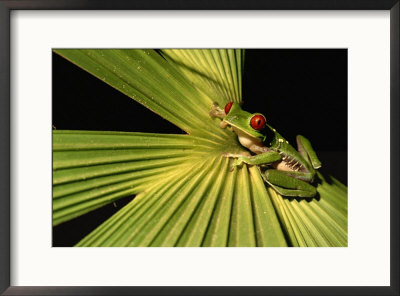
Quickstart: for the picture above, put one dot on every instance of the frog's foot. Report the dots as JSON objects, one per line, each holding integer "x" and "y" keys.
{"x": 238, "y": 161}
{"x": 217, "y": 111}
{"x": 236, "y": 155}
{"x": 231, "y": 155}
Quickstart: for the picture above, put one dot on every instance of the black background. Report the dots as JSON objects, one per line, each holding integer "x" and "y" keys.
{"x": 300, "y": 91}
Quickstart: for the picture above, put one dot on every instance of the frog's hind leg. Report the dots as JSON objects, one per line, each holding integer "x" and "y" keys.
{"x": 292, "y": 192}
{"x": 303, "y": 176}
{"x": 287, "y": 185}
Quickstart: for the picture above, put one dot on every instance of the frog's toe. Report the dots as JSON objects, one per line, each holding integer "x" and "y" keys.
{"x": 233, "y": 166}
{"x": 238, "y": 162}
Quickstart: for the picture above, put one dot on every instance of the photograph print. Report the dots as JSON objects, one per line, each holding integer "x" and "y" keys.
{"x": 199, "y": 147}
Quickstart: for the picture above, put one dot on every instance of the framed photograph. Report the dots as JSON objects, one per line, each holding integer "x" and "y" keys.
{"x": 169, "y": 149}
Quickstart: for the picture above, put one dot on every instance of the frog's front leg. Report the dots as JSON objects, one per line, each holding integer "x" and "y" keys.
{"x": 287, "y": 185}
{"x": 306, "y": 150}
{"x": 217, "y": 111}
{"x": 263, "y": 158}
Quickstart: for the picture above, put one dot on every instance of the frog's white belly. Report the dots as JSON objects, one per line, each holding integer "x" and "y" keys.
{"x": 289, "y": 164}
{"x": 282, "y": 166}
{"x": 245, "y": 139}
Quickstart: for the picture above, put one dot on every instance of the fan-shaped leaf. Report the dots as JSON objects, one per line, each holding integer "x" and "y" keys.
{"x": 186, "y": 194}
{"x": 95, "y": 168}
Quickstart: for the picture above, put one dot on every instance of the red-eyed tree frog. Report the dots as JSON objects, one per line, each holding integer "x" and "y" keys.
{"x": 286, "y": 170}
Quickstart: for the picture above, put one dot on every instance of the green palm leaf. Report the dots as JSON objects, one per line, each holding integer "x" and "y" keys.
{"x": 185, "y": 193}
{"x": 95, "y": 168}
{"x": 315, "y": 223}
{"x": 218, "y": 73}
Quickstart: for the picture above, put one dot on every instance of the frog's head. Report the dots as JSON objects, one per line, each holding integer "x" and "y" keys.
{"x": 246, "y": 125}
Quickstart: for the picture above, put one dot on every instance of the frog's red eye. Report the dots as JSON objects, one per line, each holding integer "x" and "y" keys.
{"x": 257, "y": 122}
{"x": 228, "y": 107}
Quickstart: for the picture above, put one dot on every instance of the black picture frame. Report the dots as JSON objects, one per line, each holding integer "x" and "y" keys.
{"x": 8, "y": 6}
